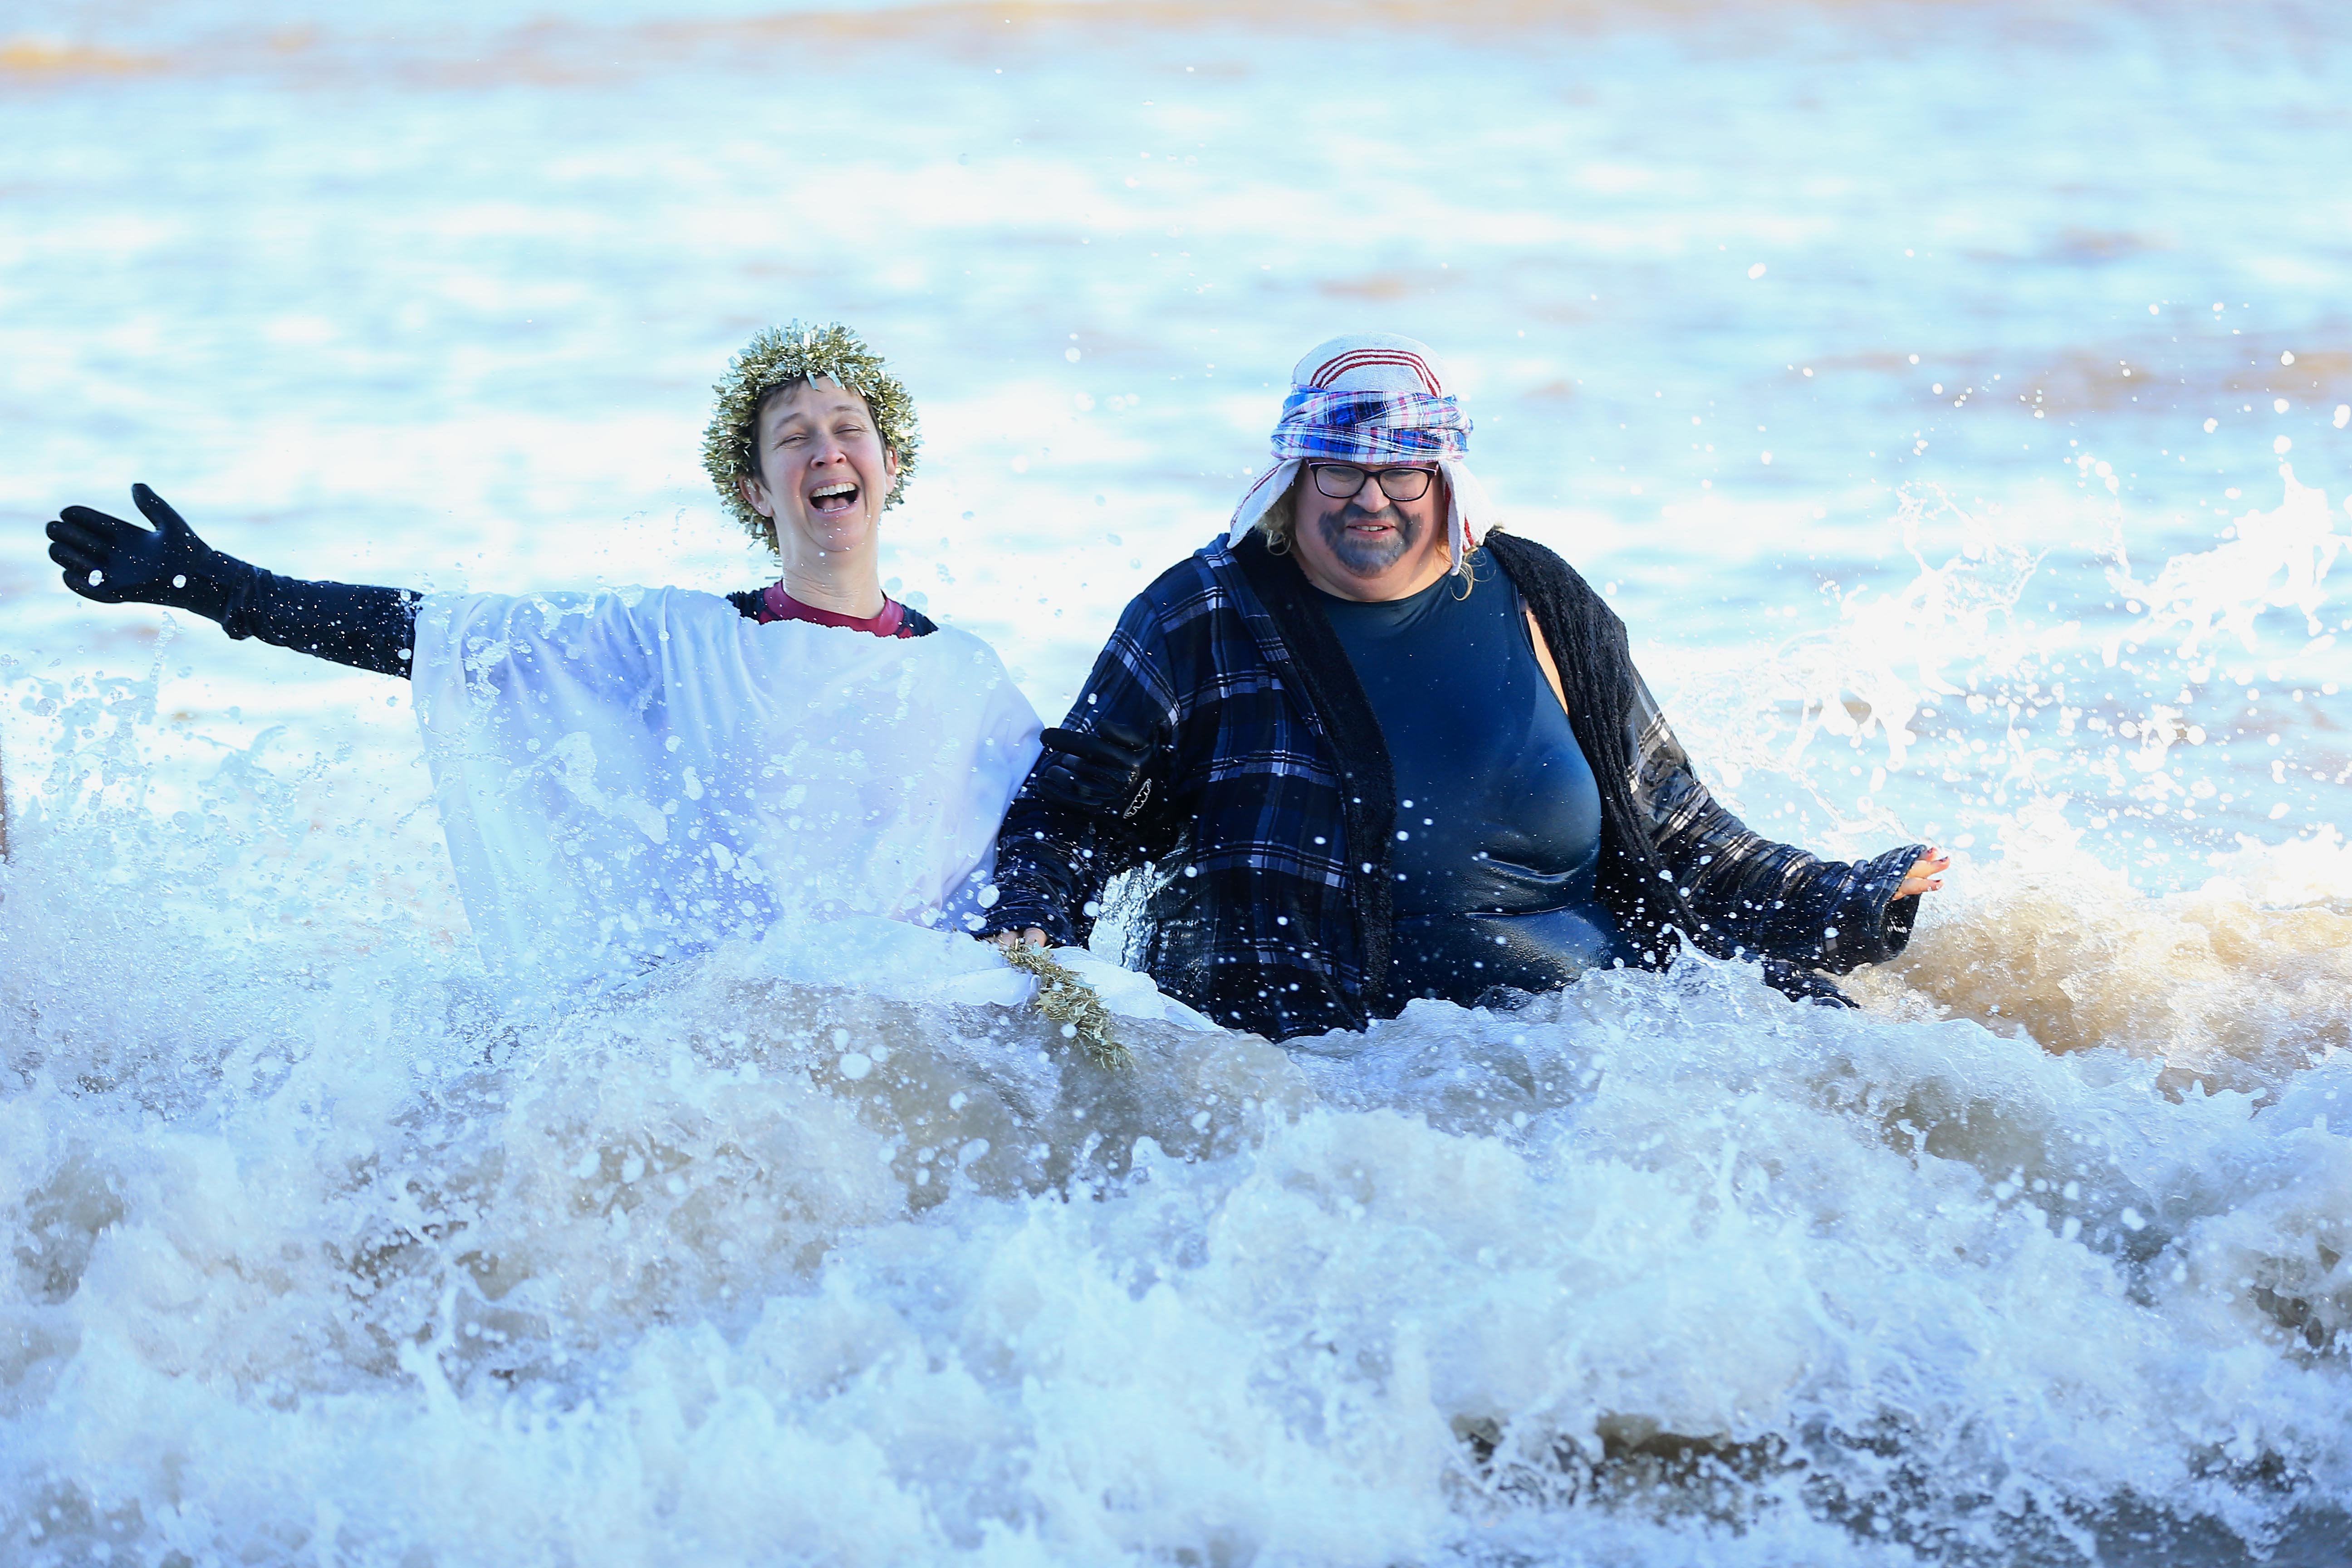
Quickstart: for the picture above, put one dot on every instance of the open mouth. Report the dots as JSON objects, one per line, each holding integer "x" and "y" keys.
{"x": 831, "y": 500}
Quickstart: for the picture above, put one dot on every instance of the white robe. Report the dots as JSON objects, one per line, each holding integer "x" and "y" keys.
{"x": 632, "y": 776}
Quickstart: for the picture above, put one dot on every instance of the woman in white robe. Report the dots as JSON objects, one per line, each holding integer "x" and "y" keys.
{"x": 628, "y": 776}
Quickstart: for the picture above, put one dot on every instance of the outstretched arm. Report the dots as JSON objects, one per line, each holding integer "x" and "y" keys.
{"x": 1771, "y": 900}
{"x": 113, "y": 562}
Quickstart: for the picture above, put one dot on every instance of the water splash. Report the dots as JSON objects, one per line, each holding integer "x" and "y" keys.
{"x": 316, "y": 1254}
{"x": 2275, "y": 560}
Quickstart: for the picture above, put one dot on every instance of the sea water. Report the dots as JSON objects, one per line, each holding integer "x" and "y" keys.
{"x": 1953, "y": 398}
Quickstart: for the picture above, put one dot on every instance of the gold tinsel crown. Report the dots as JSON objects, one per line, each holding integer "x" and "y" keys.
{"x": 777, "y": 357}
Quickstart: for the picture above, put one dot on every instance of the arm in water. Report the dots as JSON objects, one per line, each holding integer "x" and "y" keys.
{"x": 1077, "y": 777}
{"x": 114, "y": 561}
{"x": 1097, "y": 802}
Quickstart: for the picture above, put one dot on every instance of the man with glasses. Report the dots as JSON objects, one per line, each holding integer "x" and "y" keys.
{"x": 1371, "y": 752}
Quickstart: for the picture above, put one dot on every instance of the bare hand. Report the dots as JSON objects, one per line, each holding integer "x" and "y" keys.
{"x": 1927, "y": 873}
{"x": 1030, "y": 937}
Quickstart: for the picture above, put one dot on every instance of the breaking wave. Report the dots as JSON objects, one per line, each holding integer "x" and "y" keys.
{"x": 2040, "y": 1257}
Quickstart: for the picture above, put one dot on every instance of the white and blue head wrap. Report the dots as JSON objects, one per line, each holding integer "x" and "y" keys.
{"x": 1375, "y": 399}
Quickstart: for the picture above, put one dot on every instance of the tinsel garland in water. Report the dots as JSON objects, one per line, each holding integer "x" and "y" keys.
{"x": 1068, "y": 1001}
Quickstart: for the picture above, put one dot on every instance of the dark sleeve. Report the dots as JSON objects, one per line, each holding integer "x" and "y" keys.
{"x": 1767, "y": 899}
{"x": 367, "y": 628}
{"x": 1094, "y": 805}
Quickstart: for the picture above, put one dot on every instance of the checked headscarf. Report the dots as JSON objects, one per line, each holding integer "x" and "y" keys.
{"x": 1375, "y": 399}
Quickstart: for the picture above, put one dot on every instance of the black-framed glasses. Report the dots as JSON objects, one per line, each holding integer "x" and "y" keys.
{"x": 1341, "y": 481}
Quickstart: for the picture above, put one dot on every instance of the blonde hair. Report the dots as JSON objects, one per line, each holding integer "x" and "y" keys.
{"x": 1280, "y": 519}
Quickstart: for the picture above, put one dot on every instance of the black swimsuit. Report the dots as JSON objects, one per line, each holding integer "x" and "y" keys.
{"x": 1498, "y": 818}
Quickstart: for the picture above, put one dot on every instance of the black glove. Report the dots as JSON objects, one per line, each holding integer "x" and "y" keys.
{"x": 1101, "y": 774}
{"x": 367, "y": 628}
{"x": 116, "y": 562}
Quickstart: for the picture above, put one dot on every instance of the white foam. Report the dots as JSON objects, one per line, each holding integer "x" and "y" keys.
{"x": 312, "y": 1259}
{"x": 828, "y": 1247}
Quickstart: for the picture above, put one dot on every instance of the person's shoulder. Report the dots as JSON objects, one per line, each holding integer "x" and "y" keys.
{"x": 633, "y": 595}
{"x": 947, "y": 642}
{"x": 676, "y": 605}
{"x": 1537, "y": 570}
{"x": 1187, "y": 576}
{"x": 1516, "y": 554}
{"x": 628, "y": 601}
{"x": 952, "y": 660}
{"x": 1181, "y": 588}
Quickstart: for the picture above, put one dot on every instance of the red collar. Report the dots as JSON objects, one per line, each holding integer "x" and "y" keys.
{"x": 775, "y": 605}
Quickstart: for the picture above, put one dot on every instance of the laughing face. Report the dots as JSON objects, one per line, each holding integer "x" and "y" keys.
{"x": 823, "y": 471}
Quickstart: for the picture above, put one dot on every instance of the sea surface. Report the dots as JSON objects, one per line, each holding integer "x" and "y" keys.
{"x": 1953, "y": 397}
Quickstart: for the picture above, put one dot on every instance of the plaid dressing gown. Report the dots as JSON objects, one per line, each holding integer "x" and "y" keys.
{"x": 1267, "y": 809}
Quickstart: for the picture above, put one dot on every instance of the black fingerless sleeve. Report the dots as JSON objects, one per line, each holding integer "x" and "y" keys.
{"x": 367, "y": 628}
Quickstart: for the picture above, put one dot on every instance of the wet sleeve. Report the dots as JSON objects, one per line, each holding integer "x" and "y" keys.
{"x": 364, "y": 627}
{"x": 1760, "y": 897}
{"x": 1094, "y": 805}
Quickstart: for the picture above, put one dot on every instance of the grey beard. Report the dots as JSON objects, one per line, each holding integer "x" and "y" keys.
{"x": 1365, "y": 558}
